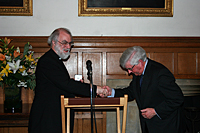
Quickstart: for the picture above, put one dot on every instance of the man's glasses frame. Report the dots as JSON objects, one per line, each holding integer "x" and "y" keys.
{"x": 131, "y": 68}
{"x": 66, "y": 43}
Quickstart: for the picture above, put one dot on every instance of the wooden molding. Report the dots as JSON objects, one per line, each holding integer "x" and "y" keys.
{"x": 113, "y": 42}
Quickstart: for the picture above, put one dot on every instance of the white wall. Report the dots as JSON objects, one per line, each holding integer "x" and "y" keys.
{"x": 51, "y": 14}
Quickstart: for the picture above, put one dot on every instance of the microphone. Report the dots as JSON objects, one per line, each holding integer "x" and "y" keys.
{"x": 89, "y": 67}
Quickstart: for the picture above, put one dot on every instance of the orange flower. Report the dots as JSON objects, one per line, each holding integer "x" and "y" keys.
{"x": 16, "y": 54}
{"x": 2, "y": 57}
{"x": 7, "y": 41}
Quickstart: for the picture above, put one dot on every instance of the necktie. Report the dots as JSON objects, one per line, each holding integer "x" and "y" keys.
{"x": 141, "y": 78}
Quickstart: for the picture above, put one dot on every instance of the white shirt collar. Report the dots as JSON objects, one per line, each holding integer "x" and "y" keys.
{"x": 145, "y": 66}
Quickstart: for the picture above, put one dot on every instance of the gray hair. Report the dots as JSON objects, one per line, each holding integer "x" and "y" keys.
{"x": 55, "y": 34}
{"x": 139, "y": 53}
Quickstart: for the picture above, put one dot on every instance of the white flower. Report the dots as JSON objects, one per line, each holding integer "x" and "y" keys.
{"x": 22, "y": 84}
{"x": 30, "y": 46}
{"x": 24, "y": 73}
{"x": 18, "y": 50}
{"x": 14, "y": 66}
{"x": 8, "y": 58}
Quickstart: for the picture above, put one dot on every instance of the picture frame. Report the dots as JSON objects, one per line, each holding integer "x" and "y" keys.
{"x": 94, "y": 8}
{"x": 14, "y": 9}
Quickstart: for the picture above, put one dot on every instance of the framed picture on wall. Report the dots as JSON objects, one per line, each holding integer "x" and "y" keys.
{"x": 16, "y": 7}
{"x": 137, "y": 8}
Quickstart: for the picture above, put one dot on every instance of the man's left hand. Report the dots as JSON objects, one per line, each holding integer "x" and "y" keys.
{"x": 148, "y": 113}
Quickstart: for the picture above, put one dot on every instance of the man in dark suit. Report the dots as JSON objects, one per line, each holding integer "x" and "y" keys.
{"x": 52, "y": 81}
{"x": 153, "y": 86}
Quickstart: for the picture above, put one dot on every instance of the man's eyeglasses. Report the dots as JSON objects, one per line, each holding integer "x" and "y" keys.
{"x": 131, "y": 68}
{"x": 65, "y": 43}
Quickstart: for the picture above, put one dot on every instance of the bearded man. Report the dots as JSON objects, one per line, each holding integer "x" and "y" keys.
{"x": 52, "y": 81}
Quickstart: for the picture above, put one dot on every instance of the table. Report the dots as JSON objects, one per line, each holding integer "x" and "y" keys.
{"x": 15, "y": 119}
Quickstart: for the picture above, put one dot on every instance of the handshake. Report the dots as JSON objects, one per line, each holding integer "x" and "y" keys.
{"x": 104, "y": 91}
{"x": 101, "y": 91}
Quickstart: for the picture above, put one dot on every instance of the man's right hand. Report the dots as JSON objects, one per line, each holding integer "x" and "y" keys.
{"x": 104, "y": 91}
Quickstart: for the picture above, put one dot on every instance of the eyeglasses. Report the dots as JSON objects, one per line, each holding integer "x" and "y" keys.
{"x": 65, "y": 43}
{"x": 131, "y": 68}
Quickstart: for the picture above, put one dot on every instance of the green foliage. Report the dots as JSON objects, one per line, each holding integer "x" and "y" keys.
{"x": 16, "y": 69}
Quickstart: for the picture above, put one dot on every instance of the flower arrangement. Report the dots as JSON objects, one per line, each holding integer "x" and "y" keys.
{"x": 16, "y": 69}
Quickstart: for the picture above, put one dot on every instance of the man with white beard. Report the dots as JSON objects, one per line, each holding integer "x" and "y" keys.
{"x": 52, "y": 81}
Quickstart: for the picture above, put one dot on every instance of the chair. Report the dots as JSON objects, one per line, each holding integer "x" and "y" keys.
{"x": 100, "y": 103}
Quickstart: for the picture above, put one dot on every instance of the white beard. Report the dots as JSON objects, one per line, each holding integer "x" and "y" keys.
{"x": 63, "y": 55}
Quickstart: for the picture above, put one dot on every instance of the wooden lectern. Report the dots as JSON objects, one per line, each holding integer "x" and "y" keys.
{"x": 100, "y": 103}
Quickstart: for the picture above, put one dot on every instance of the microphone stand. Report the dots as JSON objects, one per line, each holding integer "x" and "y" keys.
{"x": 89, "y": 67}
{"x": 91, "y": 98}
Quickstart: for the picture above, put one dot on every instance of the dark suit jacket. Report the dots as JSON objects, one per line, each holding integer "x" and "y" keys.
{"x": 158, "y": 91}
{"x": 52, "y": 81}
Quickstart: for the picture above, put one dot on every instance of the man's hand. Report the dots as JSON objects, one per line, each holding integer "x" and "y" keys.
{"x": 102, "y": 92}
{"x": 108, "y": 89}
{"x": 148, "y": 113}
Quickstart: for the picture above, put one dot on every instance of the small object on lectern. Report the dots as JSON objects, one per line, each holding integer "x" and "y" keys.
{"x": 78, "y": 77}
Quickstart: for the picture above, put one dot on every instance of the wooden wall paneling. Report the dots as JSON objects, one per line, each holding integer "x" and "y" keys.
{"x": 78, "y": 124}
{"x": 31, "y": 95}
{"x": 104, "y": 122}
{"x": 177, "y": 67}
{"x": 113, "y": 68}
{"x": 25, "y": 95}
{"x": 86, "y": 123}
{"x": 166, "y": 59}
{"x": 198, "y": 66}
{"x": 4, "y": 129}
{"x": 148, "y": 54}
{"x": 175, "y": 63}
{"x": 13, "y": 129}
{"x": 83, "y": 121}
{"x": 112, "y": 42}
{"x": 96, "y": 59}
{"x": 197, "y": 63}
{"x": 80, "y": 62}
{"x": 99, "y": 126}
{"x": 2, "y": 97}
{"x": 113, "y": 65}
{"x": 72, "y": 64}
{"x": 104, "y": 70}
{"x": 37, "y": 54}
{"x": 187, "y": 63}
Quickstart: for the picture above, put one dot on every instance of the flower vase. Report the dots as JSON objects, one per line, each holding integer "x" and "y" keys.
{"x": 13, "y": 102}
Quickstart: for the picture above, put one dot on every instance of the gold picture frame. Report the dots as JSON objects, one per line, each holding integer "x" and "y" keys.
{"x": 166, "y": 11}
{"x": 25, "y": 10}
